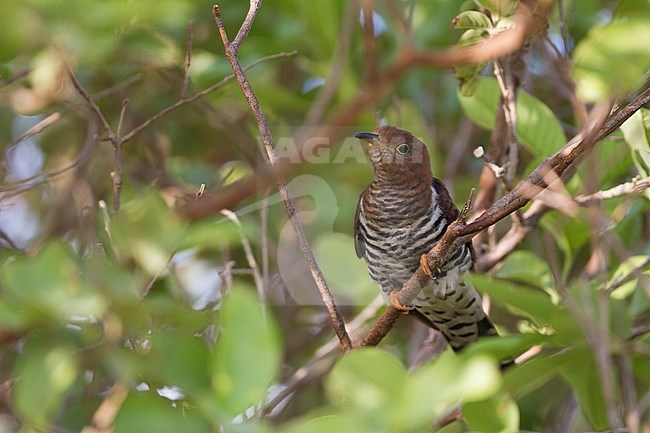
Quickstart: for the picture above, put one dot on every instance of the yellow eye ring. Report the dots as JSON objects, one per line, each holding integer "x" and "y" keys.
{"x": 403, "y": 149}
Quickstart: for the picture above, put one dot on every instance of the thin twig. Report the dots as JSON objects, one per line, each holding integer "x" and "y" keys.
{"x": 264, "y": 229}
{"x": 199, "y": 95}
{"x": 188, "y": 58}
{"x": 248, "y": 251}
{"x": 105, "y": 414}
{"x": 231, "y": 49}
{"x": 91, "y": 103}
{"x": 635, "y": 186}
{"x": 19, "y": 75}
{"x": 38, "y": 128}
{"x": 509, "y": 100}
{"x": 628, "y": 276}
{"x": 369, "y": 47}
{"x": 44, "y": 177}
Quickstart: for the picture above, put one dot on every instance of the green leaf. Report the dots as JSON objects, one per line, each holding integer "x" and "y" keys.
{"x": 246, "y": 357}
{"x": 523, "y": 301}
{"x": 44, "y": 373}
{"x": 468, "y": 74}
{"x": 471, "y": 20}
{"x": 148, "y": 231}
{"x": 585, "y": 380}
{"x": 507, "y": 346}
{"x": 146, "y": 412}
{"x": 526, "y": 267}
{"x": 498, "y": 414}
{"x": 368, "y": 382}
{"x": 177, "y": 359}
{"x": 537, "y": 127}
{"x": 523, "y": 379}
{"x": 610, "y": 60}
{"x": 436, "y": 386}
{"x": 49, "y": 286}
{"x": 636, "y": 131}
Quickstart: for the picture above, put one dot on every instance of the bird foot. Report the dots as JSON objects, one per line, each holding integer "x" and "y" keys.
{"x": 424, "y": 264}
{"x": 397, "y": 304}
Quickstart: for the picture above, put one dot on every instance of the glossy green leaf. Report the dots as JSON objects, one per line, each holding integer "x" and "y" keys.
{"x": 609, "y": 62}
{"x": 44, "y": 374}
{"x": 471, "y": 20}
{"x": 536, "y": 305}
{"x": 537, "y": 127}
{"x": 246, "y": 357}
{"x": 146, "y": 412}
{"x": 468, "y": 74}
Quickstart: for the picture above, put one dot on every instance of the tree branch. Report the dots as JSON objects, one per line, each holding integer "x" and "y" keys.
{"x": 232, "y": 55}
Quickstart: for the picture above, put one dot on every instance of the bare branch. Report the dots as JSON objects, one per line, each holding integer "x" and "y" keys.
{"x": 248, "y": 251}
{"x": 105, "y": 414}
{"x": 188, "y": 58}
{"x": 629, "y": 276}
{"x": 38, "y": 128}
{"x": 91, "y": 103}
{"x": 185, "y": 101}
{"x": 253, "y": 102}
{"x": 199, "y": 95}
{"x": 635, "y": 186}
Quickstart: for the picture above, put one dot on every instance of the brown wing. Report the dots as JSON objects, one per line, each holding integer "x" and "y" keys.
{"x": 449, "y": 209}
{"x": 447, "y": 205}
{"x": 359, "y": 240}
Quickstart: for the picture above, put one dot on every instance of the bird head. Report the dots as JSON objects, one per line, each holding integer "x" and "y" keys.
{"x": 393, "y": 150}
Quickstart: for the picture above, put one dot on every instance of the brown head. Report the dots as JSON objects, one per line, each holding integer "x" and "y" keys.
{"x": 395, "y": 152}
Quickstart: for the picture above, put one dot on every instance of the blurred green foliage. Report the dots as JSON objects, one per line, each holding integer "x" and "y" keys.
{"x": 91, "y": 298}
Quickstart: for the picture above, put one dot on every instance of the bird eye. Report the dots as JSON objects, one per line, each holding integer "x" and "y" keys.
{"x": 403, "y": 149}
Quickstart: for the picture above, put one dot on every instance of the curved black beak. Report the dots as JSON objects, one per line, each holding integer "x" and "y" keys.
{"x": 367, "y": 136}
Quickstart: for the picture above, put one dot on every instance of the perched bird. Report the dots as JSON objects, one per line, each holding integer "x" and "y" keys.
{"x": 400, "y": 217}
